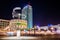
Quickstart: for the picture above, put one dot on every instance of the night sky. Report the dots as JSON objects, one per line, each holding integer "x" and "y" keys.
{"x": 44, "y": 12}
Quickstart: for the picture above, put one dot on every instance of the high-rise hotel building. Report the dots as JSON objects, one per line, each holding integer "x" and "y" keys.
{"x": 27, "y": 11}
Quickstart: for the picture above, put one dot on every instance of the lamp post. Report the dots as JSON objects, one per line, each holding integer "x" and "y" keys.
{"x": 34, "y": 30}
{"x": 18, "y": 30}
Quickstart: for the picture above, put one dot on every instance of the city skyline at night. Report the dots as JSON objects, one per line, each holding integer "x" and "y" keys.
{"x": 30, "y": 19}
{"x": 44, "y": 12}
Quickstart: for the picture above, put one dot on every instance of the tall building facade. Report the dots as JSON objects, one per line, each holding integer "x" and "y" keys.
{"x": 27, "y": 15}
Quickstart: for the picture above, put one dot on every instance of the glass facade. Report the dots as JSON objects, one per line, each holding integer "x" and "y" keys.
{"x": 27, "y": 11}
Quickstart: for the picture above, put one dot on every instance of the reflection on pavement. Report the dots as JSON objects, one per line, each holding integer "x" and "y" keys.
{"x": 48, "y": 37}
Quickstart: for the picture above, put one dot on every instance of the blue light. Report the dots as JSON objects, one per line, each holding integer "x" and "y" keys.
{"x": 49, "y": 25}
{"x": 25, "y": 5}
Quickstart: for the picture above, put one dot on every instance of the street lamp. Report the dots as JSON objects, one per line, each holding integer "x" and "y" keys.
{"x": 34, "y": 30}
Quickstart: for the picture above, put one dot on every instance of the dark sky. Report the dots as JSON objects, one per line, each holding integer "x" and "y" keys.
{"x": 44, "y": 11}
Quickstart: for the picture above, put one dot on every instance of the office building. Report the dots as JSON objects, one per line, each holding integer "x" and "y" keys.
{"x": 27, "y": 11}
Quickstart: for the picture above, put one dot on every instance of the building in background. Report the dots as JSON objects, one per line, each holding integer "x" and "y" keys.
{"x": 4, "y": 23}
{"x": 18, "y": 24}
{"x": 27, "y": 15}
{"x": 13, "y": 24}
